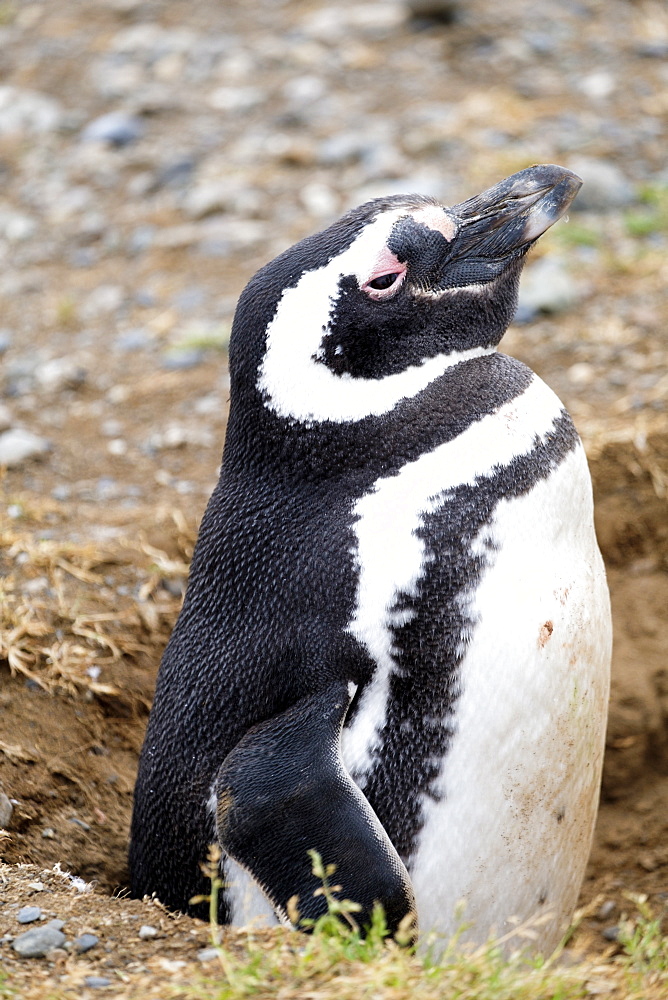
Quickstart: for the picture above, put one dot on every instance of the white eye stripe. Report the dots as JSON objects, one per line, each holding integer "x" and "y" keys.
{"x": 296, "y": 385}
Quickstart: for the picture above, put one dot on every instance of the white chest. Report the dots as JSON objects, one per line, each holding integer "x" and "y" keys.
{"x": 518, "y": 788}
{"x": 511, "y": 834}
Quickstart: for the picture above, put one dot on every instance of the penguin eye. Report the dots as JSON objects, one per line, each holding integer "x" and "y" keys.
{"x": 383, "y": 281}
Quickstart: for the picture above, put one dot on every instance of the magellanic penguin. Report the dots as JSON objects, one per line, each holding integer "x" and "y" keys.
{"x": 395, "y": 642}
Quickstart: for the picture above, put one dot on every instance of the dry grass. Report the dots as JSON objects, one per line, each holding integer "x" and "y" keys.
{"x": 70, "y": 610}
{"x": 335, "y": 963}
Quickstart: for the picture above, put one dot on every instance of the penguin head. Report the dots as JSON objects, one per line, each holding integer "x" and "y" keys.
{"x": 353, "y": 319}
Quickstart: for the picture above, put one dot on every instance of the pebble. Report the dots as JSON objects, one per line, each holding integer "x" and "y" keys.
{"x": 137, "y": 339}
{"x": 610, "y": 933}
{"x": 28, "y": 914}
{"x": 178, "y": 435}
{"x": 48, "y": 833}
{"x": 236, "y": 100}
{"x": 95, "y": 982}
{"x": 19, "y": 445}
{"x": 117, "y": 447}
{"x": 546, "y": 287}
{"x": 597, "y": 85}
{"x": 103, "y": 301}
{"x": 79, "y": 822}
{"x": 581, "y": 373}
{"x": 207, "y": 198}
{"x": 85, "y": 942}
{"x": 207, "y": 954}
{"x": 6, "y": 811}
{"x": 59, "y": 374}
{"x": 116, "y": 128}
{"x": 182, "y": 360}
{"x": 146, "y": 932}
{"x": 16, "y": 226}
{"x": 605, "y": 187}
{"x": 5, "y": 340}
{"x": 373, "y": 20}
{"x": 26, "y": 112}
{"x": 38, "y": 941}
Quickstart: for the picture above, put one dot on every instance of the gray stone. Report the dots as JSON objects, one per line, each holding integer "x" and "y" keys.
{"x": 56, "y": 924}
{"x": 343, "y": 147}
{"x": 597, "y": 85}
{"x": 189, "y": 299}
{"x": 6, "y": 811}
{"x": 611, "y": 933}
{"x": 146, "y": 932}
{"x": 102, "y": 301}
{"x": 306, "y": 89}
{"x": 370, "y": 20}
{"x": 653, "y": 50}
{"x": 19, "y": 445}
{"x": 28, "y": 914}
{"x": 546, "y": 287}
{"x": 137, "y": 339}
{"x": 178, "y": 435}
{"x": 116, "y": 128}
{"x": 95, "y": 982}
{"x": 25, "y": 112}
{"x": 180, "y": 360}
{"x": 141, "y": 238}
{"x": 59, "y": 373}
{"x": 5, "y": 340}
{"x": 211, "y": 197}
{"x": 16, "y": 226}
{"x": 208, "y": 197}
{"x": 38, "y": 941}
{"x": 207, "y": 954}
{"x": 79, "y": 822}
{"x": 85, "y": 942}
{"x": 236, "y": 100}
{"x": 605, "y": 187}
{"x": 174, "y": 174}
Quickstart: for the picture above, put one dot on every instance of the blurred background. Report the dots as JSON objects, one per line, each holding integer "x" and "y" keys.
{"x": 154, "y": 154}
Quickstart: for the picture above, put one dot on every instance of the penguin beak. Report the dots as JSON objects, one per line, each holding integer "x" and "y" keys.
{"x": 511, "y": 215}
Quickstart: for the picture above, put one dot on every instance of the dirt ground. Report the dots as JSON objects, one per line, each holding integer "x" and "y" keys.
{"x": 69, "y": 743}
{"x": 96, "y": 536}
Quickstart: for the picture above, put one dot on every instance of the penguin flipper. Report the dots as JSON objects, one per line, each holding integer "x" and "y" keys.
{"x": 284, "y": 790}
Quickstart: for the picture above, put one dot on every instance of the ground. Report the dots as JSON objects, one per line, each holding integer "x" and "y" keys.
{"x": 121, "y": 262}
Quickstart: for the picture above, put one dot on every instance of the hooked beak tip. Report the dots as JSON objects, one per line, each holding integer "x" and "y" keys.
{"x": 551, "y": 206}
{"x": 518, "y": 209}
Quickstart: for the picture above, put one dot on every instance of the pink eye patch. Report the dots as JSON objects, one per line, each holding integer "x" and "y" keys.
{"x": 387, "y": 274}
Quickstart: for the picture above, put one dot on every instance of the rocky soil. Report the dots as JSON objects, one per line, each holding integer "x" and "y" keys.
{"x": 153, "y": 154}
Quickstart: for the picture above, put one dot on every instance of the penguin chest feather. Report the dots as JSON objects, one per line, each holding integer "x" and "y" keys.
{"x": 518, "y": 789}
{"x": 497, "y": 676}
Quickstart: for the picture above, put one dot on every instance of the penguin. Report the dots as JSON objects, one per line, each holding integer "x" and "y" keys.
{"x": 394, "y": 647}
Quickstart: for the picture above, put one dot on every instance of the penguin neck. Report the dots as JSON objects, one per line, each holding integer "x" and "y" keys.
{"x": 259, "y": 443}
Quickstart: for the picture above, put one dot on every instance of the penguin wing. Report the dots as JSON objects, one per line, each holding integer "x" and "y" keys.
{"x": 284, "y": 790}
